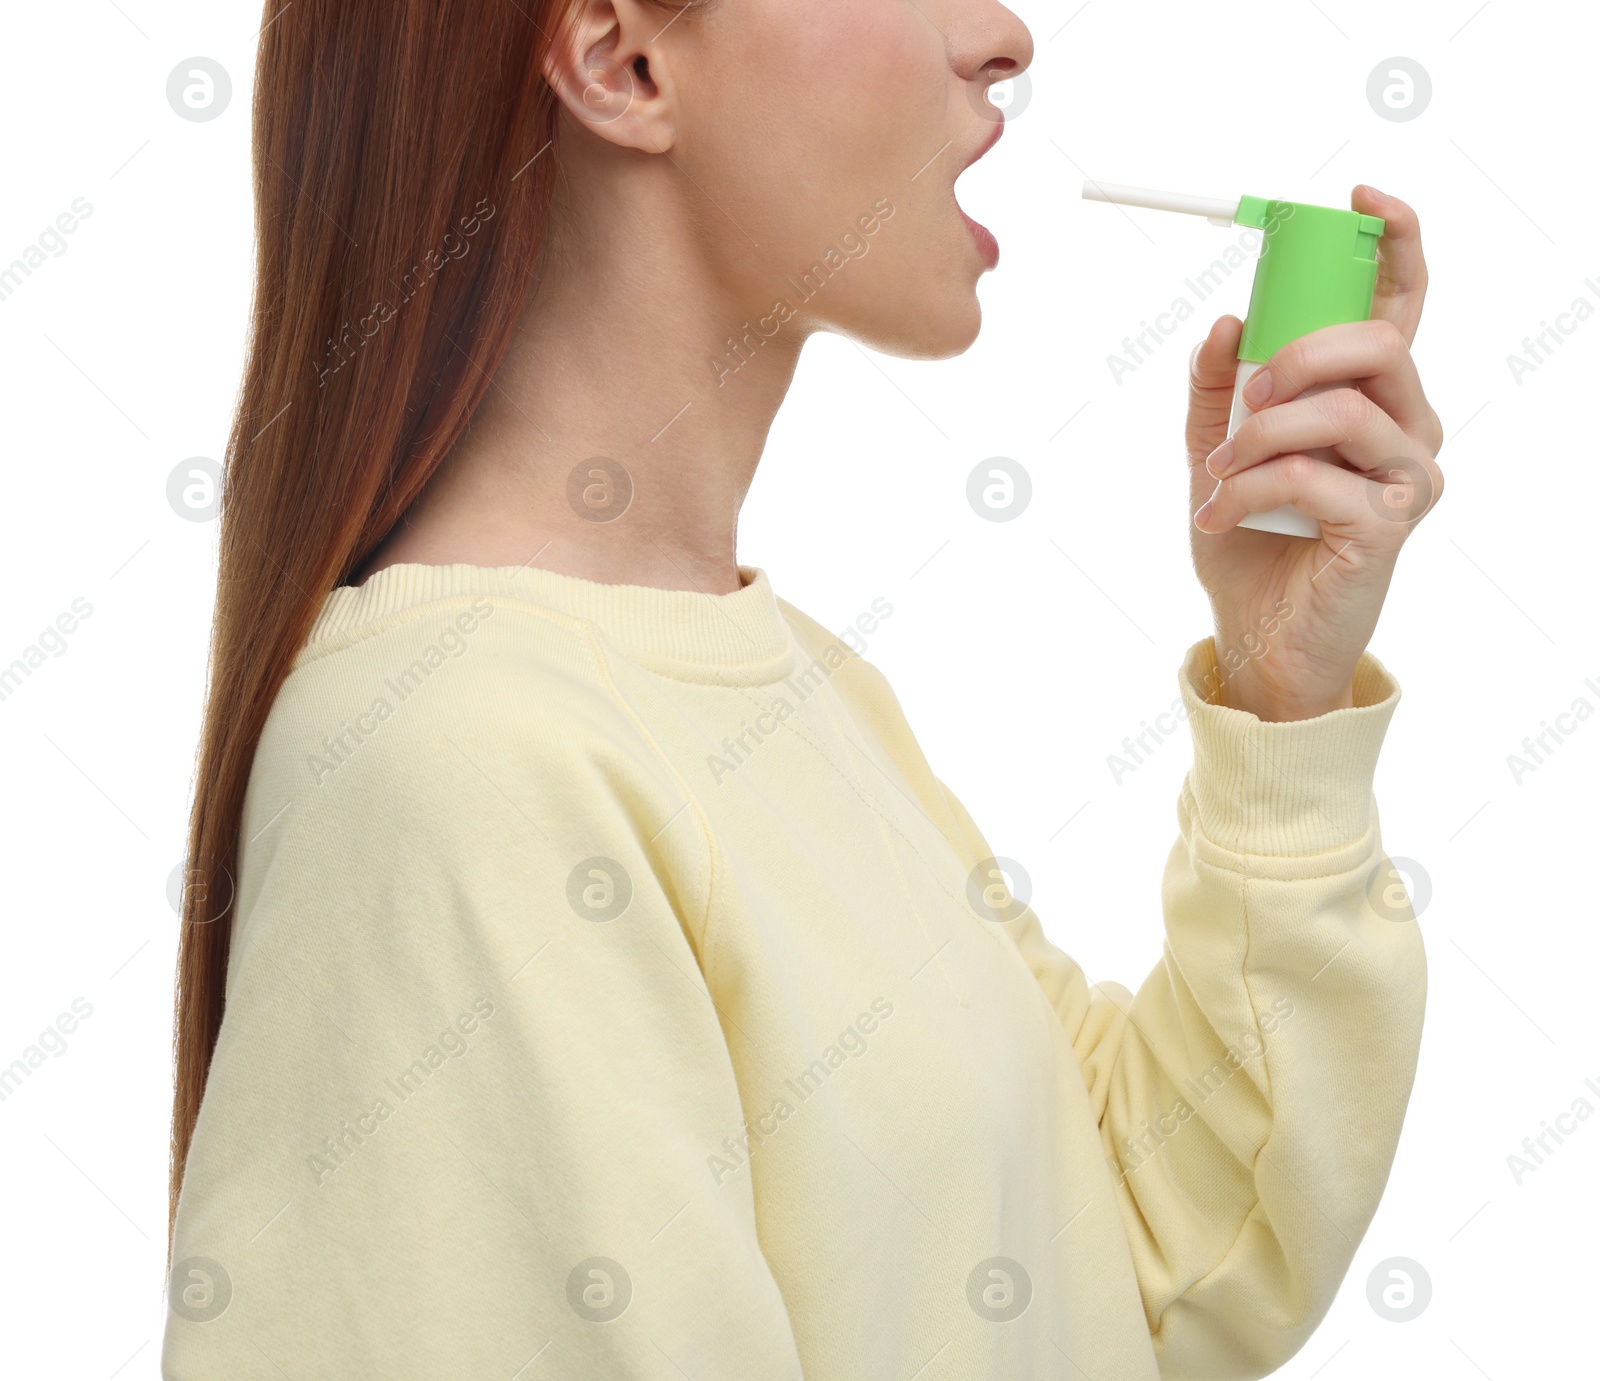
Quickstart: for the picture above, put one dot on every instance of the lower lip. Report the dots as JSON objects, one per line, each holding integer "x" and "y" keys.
{"x": 988, "y": 246}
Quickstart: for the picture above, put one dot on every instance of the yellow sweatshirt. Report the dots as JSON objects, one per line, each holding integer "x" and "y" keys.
{"x": 616, "y": 994}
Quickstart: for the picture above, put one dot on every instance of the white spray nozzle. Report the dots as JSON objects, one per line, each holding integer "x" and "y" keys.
{"x": 1217, "y": 210}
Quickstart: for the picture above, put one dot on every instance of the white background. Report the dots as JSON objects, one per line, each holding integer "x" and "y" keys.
{"x": 1023, "y": 652}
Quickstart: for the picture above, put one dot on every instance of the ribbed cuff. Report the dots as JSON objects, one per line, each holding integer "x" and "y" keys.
{"x": 1292, "y": 788}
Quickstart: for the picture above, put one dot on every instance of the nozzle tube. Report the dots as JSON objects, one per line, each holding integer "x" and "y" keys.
{"x": 1218, "y": 210}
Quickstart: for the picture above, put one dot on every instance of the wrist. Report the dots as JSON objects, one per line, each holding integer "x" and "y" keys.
{"x": 1244, "y": 689}
{"x": 1284, "y": 789}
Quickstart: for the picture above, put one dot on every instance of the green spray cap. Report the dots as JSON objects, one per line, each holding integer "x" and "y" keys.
{"x": 1318, "y": 267}
{"x": 1318, "y": 264}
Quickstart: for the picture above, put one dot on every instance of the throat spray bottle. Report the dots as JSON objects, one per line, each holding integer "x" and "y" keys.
{"x": 1318, "y": 267}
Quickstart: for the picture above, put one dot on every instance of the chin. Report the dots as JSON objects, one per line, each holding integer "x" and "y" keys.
{"x": 925, "y": 326}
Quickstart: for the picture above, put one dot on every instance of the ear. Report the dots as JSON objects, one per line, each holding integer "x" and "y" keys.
{"x": 608, "y": 68}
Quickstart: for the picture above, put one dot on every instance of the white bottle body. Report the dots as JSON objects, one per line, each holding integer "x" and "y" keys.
{"x": 1286, "y": 519}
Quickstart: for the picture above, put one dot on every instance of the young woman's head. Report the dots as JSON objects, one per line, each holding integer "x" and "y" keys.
{"x": 429, "y": 174}
{"x": 759, "y": 142}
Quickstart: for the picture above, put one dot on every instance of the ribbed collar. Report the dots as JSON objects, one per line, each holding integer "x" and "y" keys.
{"x": 740, "y": 638}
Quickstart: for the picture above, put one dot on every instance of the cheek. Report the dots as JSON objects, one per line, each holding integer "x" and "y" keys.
{"x": 820, "y": 111}
{"x": 887, "y": 76}
{"x": 843, "y": 90}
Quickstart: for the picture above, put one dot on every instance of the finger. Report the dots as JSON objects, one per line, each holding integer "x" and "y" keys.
{"x": 1346, "y": 420}
{"x": 1372, "y": 354}
{"x": 1212, "y": 369}
{"x": 1349, "y": 506}
{"x": 1402, "y": 271}
{"x": 1215, "y": 361}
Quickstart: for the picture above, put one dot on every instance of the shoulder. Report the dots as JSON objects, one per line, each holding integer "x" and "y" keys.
{"x": 840, "y": 657}
{"x": 406, "y": 695}
{"x": 865, "y": 692}
{"x": 473, "y": 752}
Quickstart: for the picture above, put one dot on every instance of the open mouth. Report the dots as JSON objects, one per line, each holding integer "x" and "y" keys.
{"x": 982, "y": 236}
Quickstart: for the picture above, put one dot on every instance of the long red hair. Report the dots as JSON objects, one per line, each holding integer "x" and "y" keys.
{"x": 403, "y": 168}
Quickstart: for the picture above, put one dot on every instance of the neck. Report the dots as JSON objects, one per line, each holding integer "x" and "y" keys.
{"x": 623, "y": 352}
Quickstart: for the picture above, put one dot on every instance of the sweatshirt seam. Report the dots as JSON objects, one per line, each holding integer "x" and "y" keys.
{"x": 792, "y": 724}
{"x": 594, "y": 641}
{"x": 709, "y": 938}
{"x": 1191, "y": 801}
{"x": 872, "y": 804}
{"x": 676, "y": 669}
{"x": 1243, "y": 885}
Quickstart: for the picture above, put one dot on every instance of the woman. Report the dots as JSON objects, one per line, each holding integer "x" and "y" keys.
{"x": 584, "y": 971}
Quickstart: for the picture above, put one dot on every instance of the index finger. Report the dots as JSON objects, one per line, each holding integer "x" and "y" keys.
{"x": 1402, "y": 271}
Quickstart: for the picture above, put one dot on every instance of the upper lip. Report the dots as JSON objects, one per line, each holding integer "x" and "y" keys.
{"x": 989, "y": 143}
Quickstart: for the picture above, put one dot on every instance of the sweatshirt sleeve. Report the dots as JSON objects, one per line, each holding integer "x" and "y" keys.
{"x": 469, "y": 1077}
{"x": 1250, "y": 1094}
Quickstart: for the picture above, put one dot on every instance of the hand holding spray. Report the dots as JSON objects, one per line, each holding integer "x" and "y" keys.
{"x": 1318, "y": 267}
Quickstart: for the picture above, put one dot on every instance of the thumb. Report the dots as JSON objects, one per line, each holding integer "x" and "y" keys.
{"x": 1212, "y": 370}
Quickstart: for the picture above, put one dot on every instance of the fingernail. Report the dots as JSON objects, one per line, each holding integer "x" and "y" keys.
{"x": 1220, "y": 459}
{"x": 1201, "y": 514}
{"x": 1259, "y": 389}
{"x": 1381, "y": 196}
